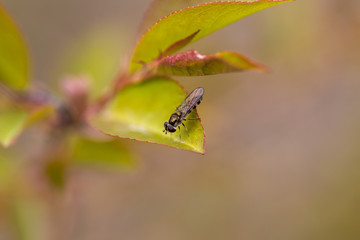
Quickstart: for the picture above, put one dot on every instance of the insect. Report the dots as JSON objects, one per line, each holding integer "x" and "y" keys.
{"x": 179, "y": 115}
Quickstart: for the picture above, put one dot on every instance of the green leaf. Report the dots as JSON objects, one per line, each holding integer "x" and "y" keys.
{"x": 207, "y": 18}
{"x": 14, "y": 65}
{"x": 105, "y": 154}
{"x": 15, "y": 119}
{"x": 192, "y": 63}
{"x": 12, "y": 122}
{"x": 96, "y": 56}
{"x": 139, "y": 111}
{"x": 160, "y": 8}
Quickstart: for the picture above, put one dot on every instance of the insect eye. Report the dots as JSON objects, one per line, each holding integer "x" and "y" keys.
{"x": 171, "y": 128}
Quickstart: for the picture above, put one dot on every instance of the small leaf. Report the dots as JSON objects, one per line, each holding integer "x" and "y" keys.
{"x": 12, "y": 121}
{"x": 40, "y": 113}
{"x": 179, "y": 45}
{"x": 139, "y": 111}
{"x": 14, "y": 66}
{"x": 192, "y": 63}
{"x": 208, "y": 18}
{"x": 56, "y": 170}
{"x": 106, "y": 154}
{"x": 57, "y": 162}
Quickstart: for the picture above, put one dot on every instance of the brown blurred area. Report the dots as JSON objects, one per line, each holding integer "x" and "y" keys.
{"x": 282, "y": 149}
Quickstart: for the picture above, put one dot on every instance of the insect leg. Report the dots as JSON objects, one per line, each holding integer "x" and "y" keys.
{"x": 179, "y": 134}
{"x": 186, "y": 130}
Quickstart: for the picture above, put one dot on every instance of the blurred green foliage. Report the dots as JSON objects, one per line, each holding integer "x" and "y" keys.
{"x": 12, "y": 121}
{"x": 14, "y": 65}
{"x": 107, "y": 154}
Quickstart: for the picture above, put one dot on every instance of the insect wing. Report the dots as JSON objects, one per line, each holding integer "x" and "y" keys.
{"x": 190, "y": 101}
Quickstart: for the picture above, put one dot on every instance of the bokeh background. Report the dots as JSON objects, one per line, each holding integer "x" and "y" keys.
{"x": 282, "y": 149}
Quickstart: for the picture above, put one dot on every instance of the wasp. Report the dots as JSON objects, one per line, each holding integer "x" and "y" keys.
{"x": 179, "y": 115}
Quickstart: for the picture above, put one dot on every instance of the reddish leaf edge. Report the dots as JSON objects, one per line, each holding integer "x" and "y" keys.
{"x": 173, "y": 48}
{"x": 144, "y": 141}
{"x": 180, "y": 10}
{"x": 257, "y": 66}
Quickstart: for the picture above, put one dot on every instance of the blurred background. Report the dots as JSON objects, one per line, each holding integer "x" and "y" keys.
{"x": 282, "y": 149}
